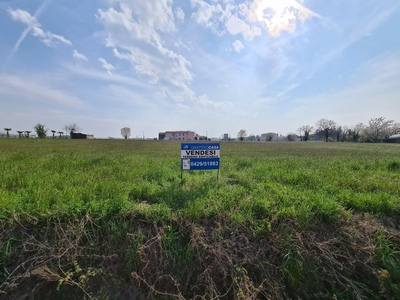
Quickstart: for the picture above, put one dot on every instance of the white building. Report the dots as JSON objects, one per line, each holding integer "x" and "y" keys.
{"x": 180, "y": 135}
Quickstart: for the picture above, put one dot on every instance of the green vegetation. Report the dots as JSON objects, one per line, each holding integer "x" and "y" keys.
{"x": 106, "y": 218}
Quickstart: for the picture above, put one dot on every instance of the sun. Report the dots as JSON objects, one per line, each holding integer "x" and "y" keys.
{"x": 279, "y": 15}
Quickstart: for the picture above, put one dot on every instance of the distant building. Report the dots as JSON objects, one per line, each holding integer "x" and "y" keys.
{"x": 180, "y": 135}
{"x": 394, "y": 139}
{"x": 81, "y": 136}
{"x": 226, "y": 137}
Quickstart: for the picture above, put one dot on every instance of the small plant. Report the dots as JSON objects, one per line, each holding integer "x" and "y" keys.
{"x": 78, "y": 276}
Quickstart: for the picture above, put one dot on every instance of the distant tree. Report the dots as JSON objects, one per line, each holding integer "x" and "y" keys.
{"x": 339, "y": 131}
{"x": 27, "y": 132}
{"x": 41, "y": 130}
{"x": 54, "y": 133}
{"x": 126, "y": 132}
{"x": 326, "y": 126}
{"x": 353, "y": 134}
{"x": 71, "y": 128}
{"x": 379, "y": 130}
{"x": 305, "y": 132}
{"x": 8, "y": 134}
{"x": 20, "y": 134}
{"x": 269, "y": 136}
{"x": 291, "y": 137}
{"x": 60, "y": 133}
{"x": 242, "y": 134}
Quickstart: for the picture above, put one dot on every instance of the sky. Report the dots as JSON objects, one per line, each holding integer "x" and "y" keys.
{"x": 209, "y": 66}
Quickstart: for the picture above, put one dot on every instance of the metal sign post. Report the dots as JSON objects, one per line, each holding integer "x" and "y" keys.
{"x": 200, "y": 156}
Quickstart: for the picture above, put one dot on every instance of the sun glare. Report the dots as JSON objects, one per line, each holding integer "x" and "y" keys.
{"x": 280, "y": 15}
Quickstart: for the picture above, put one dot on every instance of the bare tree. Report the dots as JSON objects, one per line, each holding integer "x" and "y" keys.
{"x": 242, "y": 134}
{"x": 379, "y": 130}
{"x": 126, "y": 132}
{"x": 72, "y": 128}
{"x": 8, "y": 134}
{"x": 60, "y": 133}
{"x": 326, "y": 126}
{"x": 27, "y": 132}
{"x": 54, "y": 133}
{"x": 305, "y": 129}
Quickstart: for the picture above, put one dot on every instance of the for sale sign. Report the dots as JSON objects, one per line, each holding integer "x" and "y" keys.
{"x": 200, "y": 156}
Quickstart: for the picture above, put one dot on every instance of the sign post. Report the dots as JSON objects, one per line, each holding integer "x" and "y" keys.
{"x": 200, "y": 156}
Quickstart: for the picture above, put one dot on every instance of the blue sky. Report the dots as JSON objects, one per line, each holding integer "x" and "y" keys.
{"x": 210, "y": 66}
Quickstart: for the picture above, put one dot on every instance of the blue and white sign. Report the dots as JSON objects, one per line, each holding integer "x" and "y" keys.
{"x": 200, "y": 156}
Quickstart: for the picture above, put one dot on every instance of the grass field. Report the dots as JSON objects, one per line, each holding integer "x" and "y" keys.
{"x": 284, "y": 220}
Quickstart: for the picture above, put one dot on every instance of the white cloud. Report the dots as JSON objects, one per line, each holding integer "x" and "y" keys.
{"x": 238, "y": 46}
{"x": 179, "y": 14}
{"x": 134, "y": 32}
{"x": 77, "y": 55}
{"x": 236, "y": 26}
{"x": 23, "y": 16}
{"x": 99, "y": 75}
{"x": 278, "y": 15}
{"x": 156, "y": 14}
{"x": 204, "y": 102}
{"x": 107, "y": 66}
{"x": 39, "y": 91}
{"x": 274, "y": 15}
{"x": 205, "y": 12}
{"x": 48, "y": 38}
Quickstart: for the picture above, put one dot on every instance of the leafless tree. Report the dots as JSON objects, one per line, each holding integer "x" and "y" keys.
{"x": 60, "y": 133}
{"x": 126, "y": 132}
{"x": 72, "y": 128}
{"x": 27, "y": 132}
{"x": 54, "y": 133}
{"x": 326, "y": 126}
{"x": 305, "y": 129}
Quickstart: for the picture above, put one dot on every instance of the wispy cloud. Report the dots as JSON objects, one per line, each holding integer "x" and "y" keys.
{"x": 238, "y": 46}
{"x": 140, "y": 43}
{"x": 39, "y": 91}
{"x": 77, "y": 55}
{"x": 99, "y": 75}
{"x": 179, "y": 14}
{"x": 48, "y": 38}
{"x": 107, "y": 66}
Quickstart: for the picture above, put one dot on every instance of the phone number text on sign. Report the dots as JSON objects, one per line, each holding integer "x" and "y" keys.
{"x": 200, "y": 164}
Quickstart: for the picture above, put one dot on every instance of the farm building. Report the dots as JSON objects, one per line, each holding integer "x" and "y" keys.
{"x": 81, "y": 136}
{"x": 394, "y": 139}
{"x": 181, "y": 135}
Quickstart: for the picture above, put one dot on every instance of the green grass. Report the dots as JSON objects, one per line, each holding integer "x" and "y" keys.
{"x": 305, "y": 181}
{"x": 284, "y": 220}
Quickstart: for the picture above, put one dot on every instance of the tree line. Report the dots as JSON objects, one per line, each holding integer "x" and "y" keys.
{"x": 375, "y": 131}
{"x": 41, "y": 131}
